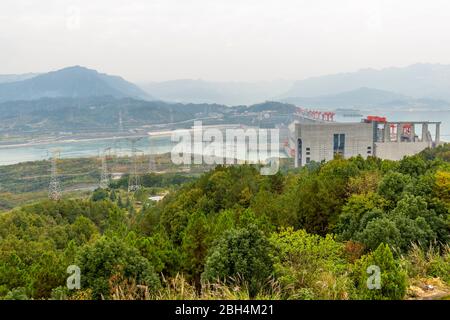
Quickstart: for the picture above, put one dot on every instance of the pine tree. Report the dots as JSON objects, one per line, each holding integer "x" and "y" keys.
{"x": 112, "y": 196}
{"x": 195, "y": 245}
{"x": 382, "y": 265}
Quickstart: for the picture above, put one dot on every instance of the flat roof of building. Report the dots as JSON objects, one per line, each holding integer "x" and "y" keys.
{"x": 415, "y": 122}
{"x": 353, "y": 123}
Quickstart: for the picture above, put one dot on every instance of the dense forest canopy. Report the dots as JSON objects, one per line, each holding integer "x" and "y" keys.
{"x": 307, "y": 233}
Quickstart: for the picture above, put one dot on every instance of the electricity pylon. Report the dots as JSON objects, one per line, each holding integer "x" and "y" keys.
{"x": 152, "y": 163}
{"x": 133, "y": 178}
{"x": 120, "y": 121}
{"x": 104, "y": 177}
{"x": 54, "y": 189}
{"x": 152, "y": 156}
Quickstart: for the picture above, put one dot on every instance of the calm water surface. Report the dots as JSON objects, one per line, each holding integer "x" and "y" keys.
{"x": 163, "y": 144}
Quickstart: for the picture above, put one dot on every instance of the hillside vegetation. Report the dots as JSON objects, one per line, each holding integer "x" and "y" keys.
{"x": 27, "y": 182}
{"x": 66, "y": 116}
{"x": 309, "y": 233}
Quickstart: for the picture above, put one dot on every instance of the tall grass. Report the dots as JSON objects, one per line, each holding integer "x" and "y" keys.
{"x": 431, "y": 262}
{"x": 178, "y": 288}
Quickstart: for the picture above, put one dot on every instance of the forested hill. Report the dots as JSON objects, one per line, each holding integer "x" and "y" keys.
{"x": 107, "y": 114}
{"x": 309, "y": 233}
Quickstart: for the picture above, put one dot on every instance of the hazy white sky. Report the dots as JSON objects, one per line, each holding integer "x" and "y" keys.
{"x": 145, "y": 40}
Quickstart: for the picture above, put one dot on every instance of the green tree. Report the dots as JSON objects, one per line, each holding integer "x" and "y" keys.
{"x": 320, "y": 196}
{"x": 356, "y": 212}
{"x": 195, "y": 245}
{"x": 393, "y": 279}
{"x": 242, "y": 253}
{"x": 276, "y": 182}
{"x": 120, "y": 202}
{"x": 160, "y": 252}
{"x": 413, "y": 166}
{"x": 442, "y": 186}
{"x": 381, "y": 230}
{"x": 116, "y": 223}
{"x": 99, "y": 194}
{"x": 109, "y": 257}
{"x": 112, "y": 196}
{"x": 47, "y": 273}
{"x": 392, "y": 186}
{"x": 83, "y": 230}
{"x": 310, "y": 262}
{"x": 417, "y": 223}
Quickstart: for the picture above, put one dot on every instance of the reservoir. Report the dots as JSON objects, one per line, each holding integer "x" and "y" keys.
{"x": 162, "y": 143}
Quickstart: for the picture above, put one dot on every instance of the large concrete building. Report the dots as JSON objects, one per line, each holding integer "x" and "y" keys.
{"x": 373, "y": 136}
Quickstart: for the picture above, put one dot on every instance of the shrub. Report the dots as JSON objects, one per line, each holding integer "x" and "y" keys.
{"x": 110, "y": 257}
{"x": 242, "y": 253}
{"x": 310, "y": 266}
{"x": 393, "y": 278}
{"x": 379, "y": 231}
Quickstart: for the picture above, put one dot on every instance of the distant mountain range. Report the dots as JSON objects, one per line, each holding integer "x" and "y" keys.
{"x": 16, "y": 77}
{"x": 363, "y": 98}
{"x": 80, "y": 100}
{"x": 77, "y": 99}
{"x": 229, "y": 93}
{"x": 418, "y": 85}
{"x": 74, "y": 82}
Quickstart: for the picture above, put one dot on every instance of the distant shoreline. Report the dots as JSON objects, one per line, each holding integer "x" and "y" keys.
{"x": 66, "y": 141}
{"x": 160, "y": 133}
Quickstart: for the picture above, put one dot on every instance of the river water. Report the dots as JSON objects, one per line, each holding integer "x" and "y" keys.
{"x": 163, "y": 144}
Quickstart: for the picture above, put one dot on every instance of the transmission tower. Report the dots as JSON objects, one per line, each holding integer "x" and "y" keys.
{"x": 115, "y": 146}
{"x": 133, "y": 179}
{"x": 104, "y": 178}
{"x": 54, "y": 189}
{"x": 152, "y": 157}
{"x": 120, "y": 121}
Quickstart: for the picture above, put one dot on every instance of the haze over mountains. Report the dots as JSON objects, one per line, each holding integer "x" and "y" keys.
{"x": 420, "y": 85}
{"x": 418, "y": 81}
{"x": 73, "y": 82}
{"x": 16, "y": 77}
{"x": 364, "y": 98}
{"x": 416, "y": 86}
{"x": 229, "y": 93}
{"x": 81, "y": 100}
